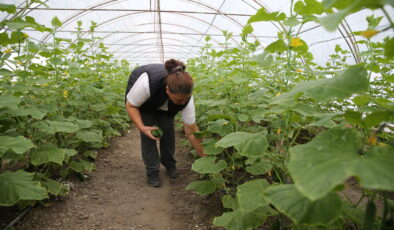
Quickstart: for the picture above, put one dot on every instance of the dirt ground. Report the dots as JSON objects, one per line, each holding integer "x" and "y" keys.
{"x": 116, "y": 196}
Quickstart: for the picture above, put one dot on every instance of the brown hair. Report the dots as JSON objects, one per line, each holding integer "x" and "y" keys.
{"x": 177, "y": 80}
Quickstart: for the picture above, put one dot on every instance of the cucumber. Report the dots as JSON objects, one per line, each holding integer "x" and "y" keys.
{"x": 157, "y": 132}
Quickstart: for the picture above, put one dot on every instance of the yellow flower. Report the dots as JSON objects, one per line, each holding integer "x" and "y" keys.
{"x": 65, "y": 93}
{"x": 278, "y": 131}
{"x": 299, "y": 70}
{"x": 278, "y": 94}
{"x": 25, "y": 35}
{"x": 296, "y": 42}
{"x": 369, "y": 33}
{"x": 372, "y": 140}
{"x": 45, "y": 85}
{"x": 7, "y": 51}
{"x": 19, "y": 62}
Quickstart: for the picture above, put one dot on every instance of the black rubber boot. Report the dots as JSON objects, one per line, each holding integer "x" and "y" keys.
{"x": 172, "y": 173}
{"x": 154, "y": 180}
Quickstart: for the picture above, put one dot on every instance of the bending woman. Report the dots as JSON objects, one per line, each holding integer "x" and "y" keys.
{"x": 155, "y": 94}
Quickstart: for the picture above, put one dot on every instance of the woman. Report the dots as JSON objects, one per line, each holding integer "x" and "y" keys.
{"x": 155, "y": 94}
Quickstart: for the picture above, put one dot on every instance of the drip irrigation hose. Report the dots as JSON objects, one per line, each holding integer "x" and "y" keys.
{"x": 20, "y": 216}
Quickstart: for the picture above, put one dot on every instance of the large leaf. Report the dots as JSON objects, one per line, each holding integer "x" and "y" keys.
{"x": 7, "y": 8}
{"x": 311, "y": 7}
{"x": 48, "y": 153}
{"x": 204, "y": 187}
{"x": 276, "y": 46}
{"x": 9, "y": 101}
{"x": 287, "y": 199}
{"x": 250, "y": 195}
{"x": 263, "y": 15}
{"x": 208, "y": 165}
{"x": 19, "y": 185}
{"x": 18, "y": 145}
{"x": 332, "y": 157}
{"x": 88, "y": 136}
{"x": 343, "y": 85}
{"x": 239, "y": 220}
{"x": 64, "y": 127}
{"x": 376, "y": 169}
{"x": 55, "y": 187}
{"x": 82, "y": 165}
{"x": 259, "y": 167}
{"x": 248, "y": 144}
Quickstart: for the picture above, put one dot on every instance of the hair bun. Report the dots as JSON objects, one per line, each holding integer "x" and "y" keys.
{"x": 173, "y": 66}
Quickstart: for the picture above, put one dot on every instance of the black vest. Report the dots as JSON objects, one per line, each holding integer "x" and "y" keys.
{"x": 158, "y": 96}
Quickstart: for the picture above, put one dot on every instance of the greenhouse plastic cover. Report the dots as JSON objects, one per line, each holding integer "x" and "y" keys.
{"x": 148, "y": 31}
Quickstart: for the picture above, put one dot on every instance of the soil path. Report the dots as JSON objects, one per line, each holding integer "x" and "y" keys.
{"x": 116, "y": 196}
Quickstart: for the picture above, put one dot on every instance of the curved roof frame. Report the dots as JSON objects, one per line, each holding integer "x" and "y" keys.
{"x": 147, "y": 39}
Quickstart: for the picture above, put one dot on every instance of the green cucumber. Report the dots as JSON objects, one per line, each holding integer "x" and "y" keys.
{"x": 157, "y": 132}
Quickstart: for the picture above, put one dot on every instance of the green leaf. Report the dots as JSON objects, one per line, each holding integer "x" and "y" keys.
{"x": 88, "y": 136}
{"x": 11, "y": 9}
{"x": 208, "y": 165}
{"x": 343, "y": 85}
{"x": 376, "y": 118}
{"x": 259, "y": 167}
{"x": 82, "y": 165}
{"x": 389, "y": 48}
{"x": 48, "y": 153}
{"x": 239, "y": 220}
{"x": 248, "y": 29}
{"x": 360, "y": 100}
{"x": 83, "y": 124}
{"x": 56, "y": 22}
{"x": 291, "y": 21}
{"x": 64, "y": 127}
{"x": 250, "y": 195}
{"x": 220, "y": 126}
{"x": 55, "y": 188}
{"x": 331, "y": 21}
{"x": 353, "y": 117}
{"x": 18, "y": 145}
{"x": 277, "y": 46}
{"x": 333, "y": 156}
{"x": 248, "y": 144}
{"x": 9, "y": 101}
{"x": 210, "y": 148}
{"x": 263, "y": 15}
{"x": 375, "y": 170}
{"x": 311, "y": 7}
{"x": 265, "y": 60}
{"x": 287, "y": 199}
{"x": 230, "y": 202}
{"x": 202, "y": 187}
{"x": 18, "y": 186}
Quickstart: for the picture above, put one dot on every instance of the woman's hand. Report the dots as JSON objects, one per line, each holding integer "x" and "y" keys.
{"x": 146, "y": 130}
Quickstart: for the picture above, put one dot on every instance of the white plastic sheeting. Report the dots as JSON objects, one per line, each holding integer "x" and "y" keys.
{"x": 146, "y": 31}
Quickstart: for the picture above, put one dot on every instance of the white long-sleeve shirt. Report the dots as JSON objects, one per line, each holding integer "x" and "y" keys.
{"x": 140, "y": 92}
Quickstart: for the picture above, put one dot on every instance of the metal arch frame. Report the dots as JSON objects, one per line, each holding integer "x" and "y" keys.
{"x": 152, "y": 56}
{"x": 73, "y": 17}
{"x": 152, "y": 49}
{"x": 125, "y": 15}
{"x": 146, "y": 39}
{"x": 210, "y": 25}
{"x": 146, "y": 49}
{"x": 144, "y": 24}
{"x": 152, "y": 33}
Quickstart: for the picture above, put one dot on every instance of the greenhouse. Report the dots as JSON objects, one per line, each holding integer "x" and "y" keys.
{"x": 196, "y": 114}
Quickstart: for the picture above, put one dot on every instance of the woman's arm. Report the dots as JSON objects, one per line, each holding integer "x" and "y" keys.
{"x": 196, "y": 142}
{"x": 135, "y": 116}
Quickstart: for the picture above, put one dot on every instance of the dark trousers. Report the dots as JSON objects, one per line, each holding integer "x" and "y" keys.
{"x": 150, "y": 154}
